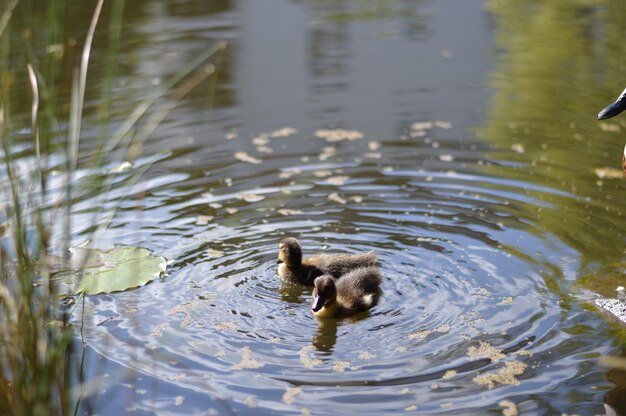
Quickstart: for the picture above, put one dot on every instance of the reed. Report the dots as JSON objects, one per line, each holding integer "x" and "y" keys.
{"x": 40, "y": 357}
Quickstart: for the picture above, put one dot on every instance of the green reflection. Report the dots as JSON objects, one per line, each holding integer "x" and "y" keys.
{"x": 560, "y": 63}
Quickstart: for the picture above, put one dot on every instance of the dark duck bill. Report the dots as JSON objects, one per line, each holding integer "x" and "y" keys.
{"x": 614, "y": 109}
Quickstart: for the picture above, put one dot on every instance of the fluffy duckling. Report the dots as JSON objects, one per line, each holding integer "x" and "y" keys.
{"x": 291, "y": 266}
{"x": 354, "y": 292}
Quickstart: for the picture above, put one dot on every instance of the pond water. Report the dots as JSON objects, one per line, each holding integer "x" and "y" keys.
{"x": 456, "y": 139}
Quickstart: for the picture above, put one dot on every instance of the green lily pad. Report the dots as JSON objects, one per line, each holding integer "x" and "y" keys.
{"x": 117, "y": 269}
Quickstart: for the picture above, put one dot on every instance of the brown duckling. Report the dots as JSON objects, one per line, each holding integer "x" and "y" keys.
{"x": 354, "y": 292}
{"x": 292, "y": 268}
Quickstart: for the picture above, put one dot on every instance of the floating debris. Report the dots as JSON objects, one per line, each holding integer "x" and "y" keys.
{"x": 225, "y": 326}
{"x": 338, "y": 135}
{"x": 334, "y": 196}
{"x": 446, "y": 158}
{"x": 338, "y": 180}
{"x": 204, "y": 219}
{"x": 250, "y": 401}
{"x": 251, "y": 197}
{"x": 340, "y": 366}
{"x": 507, "y": 375}
{"x": 185, "y": 309}
{"x": 356, "y": 198}
{"x": 509, "y": 408}
{"x": 247, "y": 362}
{"x": 288, "y": 173}
{"x": 123, "y": 167}
{"x": 518, "y": 148}
{"x": 373, "y": 155}
{"x": 287, "y": 211}
{"x": 410, "y": 408}
{"x": 231, "y": 210}
{"x": 290, "y": 394}
{"x": 284, "y": 132}
{"x": 327, "y": 152}
{"x": 306, "y": 360}
{"x": 265, "y": 149}
{"x": 485, "y": 350}
{"x": 612, "y": 127}
{"x": 231, "y": 135}
{"x": 364, "y": 355}
{"x": 526, "y": 353}
{"x": 373, "y": 145}
{"x": 506, "y": 301}
{"x": 214, "y": 254}
{"x": 422, "y": 125}
{"x": 245, "y": 157}
{"x": 609, "y": 173}
{"x": 322, "y": 173}
{"x": 471, "y": 319}
{"x": 443, "y": 124}
{"x": 261, "y": 140}
{"x": 179, "y": 400}
{"x": 482, "y": 292}
{"x": 449, "y": 374}
{"x": 424, "y": 333}
{"x": 157, "y": 331}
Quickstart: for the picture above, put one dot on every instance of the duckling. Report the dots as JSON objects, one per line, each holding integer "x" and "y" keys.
{"x": 292, "y": 268}
{"x": 354, "y": 292}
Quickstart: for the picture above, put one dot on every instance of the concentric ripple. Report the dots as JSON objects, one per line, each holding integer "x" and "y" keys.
{"x": 465, "y": 317}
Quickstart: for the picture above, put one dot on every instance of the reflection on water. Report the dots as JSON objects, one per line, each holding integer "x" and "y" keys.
{"x": 358, "y": 128}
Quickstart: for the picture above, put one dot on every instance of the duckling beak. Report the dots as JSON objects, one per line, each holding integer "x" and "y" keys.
{"x": 318, "y": 303}
{"x": 278, "y": 261}
{"x": 614, "y": 109}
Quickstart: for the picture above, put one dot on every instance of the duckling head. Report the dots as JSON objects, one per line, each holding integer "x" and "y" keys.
{"x": 324, "y": 292}
{"x": 290, "y": 252}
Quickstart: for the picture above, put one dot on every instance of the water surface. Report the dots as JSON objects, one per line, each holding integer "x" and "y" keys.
{"x": 457, "y": 140}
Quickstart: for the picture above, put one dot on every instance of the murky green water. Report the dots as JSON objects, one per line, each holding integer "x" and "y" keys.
{"x": 469, "y": 166}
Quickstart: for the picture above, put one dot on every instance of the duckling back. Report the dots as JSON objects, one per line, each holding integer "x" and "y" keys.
{"x": 338, "y": 265}
{"x": 354, "y": 292}
{"x": 294, "y": 269}
{"x": 358, "y": 288}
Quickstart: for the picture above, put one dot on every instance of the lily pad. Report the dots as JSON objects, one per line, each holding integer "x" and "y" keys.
{"x": 117, "y": 269}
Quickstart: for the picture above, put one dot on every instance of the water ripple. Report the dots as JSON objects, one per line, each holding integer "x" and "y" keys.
{"x": 456, "y": 250}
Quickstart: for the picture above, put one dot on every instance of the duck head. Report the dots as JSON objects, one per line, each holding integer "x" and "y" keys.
{"x": 290, "y": 252}
{"x": 324, "y": 292}
{"x": 614, "y": 109}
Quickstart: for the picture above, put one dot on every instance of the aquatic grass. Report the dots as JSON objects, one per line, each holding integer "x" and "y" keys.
{"x": 42, "y": 373}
